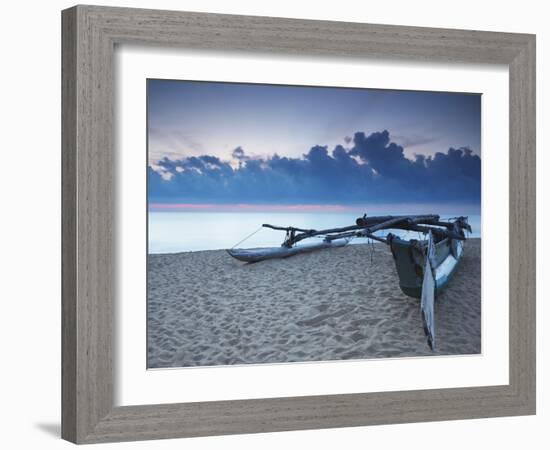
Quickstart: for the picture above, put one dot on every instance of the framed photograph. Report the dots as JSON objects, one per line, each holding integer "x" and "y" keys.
{"x": 278, "y": 224}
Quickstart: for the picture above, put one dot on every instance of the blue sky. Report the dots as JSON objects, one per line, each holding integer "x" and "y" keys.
{"x": 245, "y": 143}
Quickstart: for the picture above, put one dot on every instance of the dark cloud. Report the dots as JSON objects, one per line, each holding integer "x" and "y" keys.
{"x": 414, "y": 140}
{"x": 238, "y": 154}
{"x": 373, "y": 170}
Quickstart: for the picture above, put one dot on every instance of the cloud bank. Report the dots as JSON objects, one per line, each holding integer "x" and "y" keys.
{"x": 372, "y": 169}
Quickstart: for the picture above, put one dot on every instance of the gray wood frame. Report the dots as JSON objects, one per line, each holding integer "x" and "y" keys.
{"x": 89, "y": 36}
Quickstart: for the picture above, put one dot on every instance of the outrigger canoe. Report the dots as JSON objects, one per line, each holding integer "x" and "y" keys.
{"x": 424, "y": 266}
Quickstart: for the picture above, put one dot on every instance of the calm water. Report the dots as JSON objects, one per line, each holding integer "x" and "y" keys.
{"x": 171, "y": 232}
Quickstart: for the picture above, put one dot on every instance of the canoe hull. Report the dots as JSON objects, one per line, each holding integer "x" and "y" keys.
{"x": 409, "y": 260}
{"x": 252, "y": 255}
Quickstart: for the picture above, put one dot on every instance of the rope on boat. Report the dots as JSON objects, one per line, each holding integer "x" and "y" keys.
{"x": 371, "y": 242}
{"x": 248, "y": 237}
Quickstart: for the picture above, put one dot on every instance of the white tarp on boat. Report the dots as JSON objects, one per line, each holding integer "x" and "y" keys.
{"x": 428, "y": 294}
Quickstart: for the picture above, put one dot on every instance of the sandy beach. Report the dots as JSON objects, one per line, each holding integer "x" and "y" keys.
{"x": 206, "y": 308}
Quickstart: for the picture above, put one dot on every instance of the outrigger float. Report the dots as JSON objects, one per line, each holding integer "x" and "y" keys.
{"x": 424, "y": 266}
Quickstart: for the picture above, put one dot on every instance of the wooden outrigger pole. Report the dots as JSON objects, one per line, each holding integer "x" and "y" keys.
{"x": 367, "y": 226}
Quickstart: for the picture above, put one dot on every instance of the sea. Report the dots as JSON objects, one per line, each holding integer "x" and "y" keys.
{"x": 184, "y": 231}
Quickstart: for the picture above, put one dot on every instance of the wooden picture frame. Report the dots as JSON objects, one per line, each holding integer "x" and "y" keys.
{"x": 90, "y": 34}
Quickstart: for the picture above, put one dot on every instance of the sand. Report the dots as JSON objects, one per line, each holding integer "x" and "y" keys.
{"x": 206, "y": 308}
